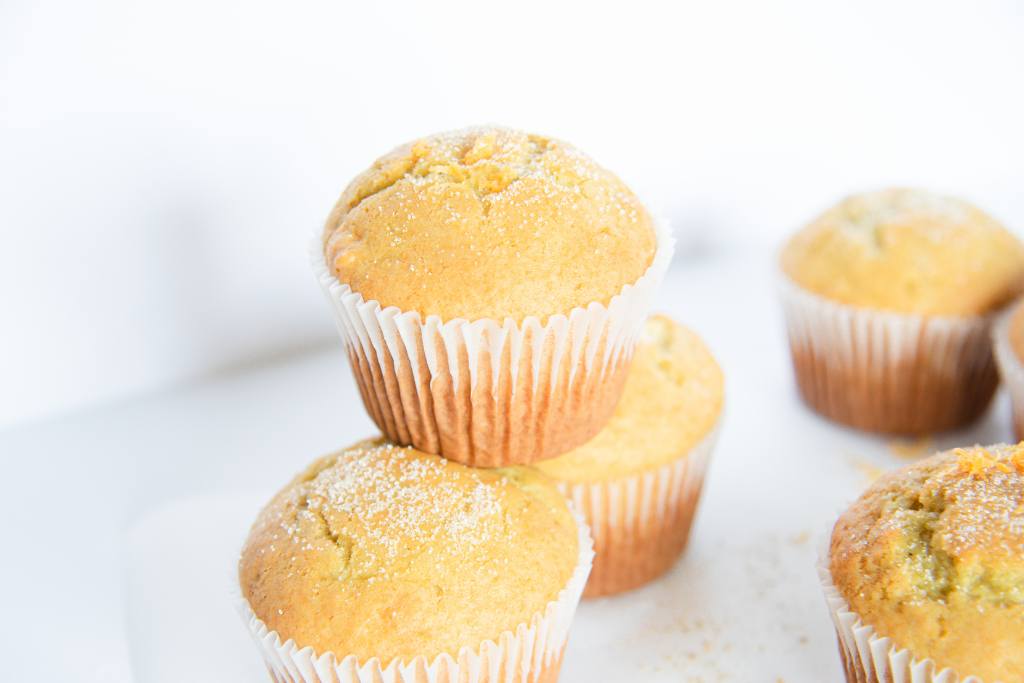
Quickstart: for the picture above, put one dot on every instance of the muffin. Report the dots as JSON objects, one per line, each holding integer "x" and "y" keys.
{"x": 1008, "y": 338}
{"x": 638, "y": 481}
{"x": 382, "y": 560}
{"x": 489, "y": 286}
{"x": 889, "y": 299}
{"x": 925, "y": 572}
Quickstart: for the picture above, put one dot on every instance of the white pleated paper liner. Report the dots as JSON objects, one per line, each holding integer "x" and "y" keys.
{"x": 1010, "y": 369}
{"x": 490, "y": 392}
{"x": 889, "y": 372}
{"x": 869, "y": 657}
{"x": 532, "y": 653}
{"x": 641, "y": 522}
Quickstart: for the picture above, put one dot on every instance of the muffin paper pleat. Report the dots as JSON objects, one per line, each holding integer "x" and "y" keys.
{"x": 486, "y": 392}
{"x": 869, "y": 657}
{"x": 532, "y": 653}
{"x": 1011, "y": 370}
{"x": 641, "y": 522}
{"x": 889, "y": 372}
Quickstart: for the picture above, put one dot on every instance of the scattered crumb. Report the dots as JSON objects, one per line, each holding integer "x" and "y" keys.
{"x": 800, "y": 538}
{"x": 700, "y": 642}
{"x": 913, "y": 449}
{"x": 869, "y": 470}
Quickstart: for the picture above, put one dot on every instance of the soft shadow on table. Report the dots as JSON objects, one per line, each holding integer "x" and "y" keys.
{"x": 180, "y": 592}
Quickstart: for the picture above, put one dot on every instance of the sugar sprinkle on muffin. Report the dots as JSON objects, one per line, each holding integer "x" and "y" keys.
{"x": 382, "y": 551}
{"x": 488, "y": 223}
{"x": 932, "y": 557}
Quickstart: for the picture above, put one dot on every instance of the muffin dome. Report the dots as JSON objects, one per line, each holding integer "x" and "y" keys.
{"x": 382, "y": 551}
{"x": 488, "y": 223}
{"x": 932, "y": 556}
{"x": 907, "y": 251}
{"x": 672, "y": 399}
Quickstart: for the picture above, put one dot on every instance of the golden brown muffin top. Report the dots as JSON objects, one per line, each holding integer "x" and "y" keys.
{"x": 382, "y": 551}
{"x": 672, "y": 400}
{"x": 488, "y": 223}
{"x": 932, "y": 556}
{"x": 907, "y": 251}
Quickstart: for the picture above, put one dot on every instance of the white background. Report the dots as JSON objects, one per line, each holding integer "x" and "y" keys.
{"x": 162, "y": 164}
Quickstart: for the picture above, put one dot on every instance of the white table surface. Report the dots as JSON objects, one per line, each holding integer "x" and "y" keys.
{"x": 120, "y": 523}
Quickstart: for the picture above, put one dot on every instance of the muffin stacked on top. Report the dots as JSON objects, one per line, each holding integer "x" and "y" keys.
{"x": 490, "y": 287}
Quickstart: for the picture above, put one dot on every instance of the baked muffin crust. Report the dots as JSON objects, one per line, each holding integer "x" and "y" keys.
{"x": 932, "y": 556}
{"x": 382, "y": 551}
{"x": 907, "y": 251}
{"x": 672, "y": 399}
{"x": 488, "y": 223}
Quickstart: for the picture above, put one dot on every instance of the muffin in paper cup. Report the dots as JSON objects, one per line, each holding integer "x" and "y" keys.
{"x": 870, "y": 658}
{"x": 930, "y": 553}
{"x": 424, "y": 568}
{"x": 1008, "y": 342}
{"x": 889, "y": 372}
{"x": 889, "y": 298}
{"x": 488, "y": 287}
{"x": 638, "y": 482}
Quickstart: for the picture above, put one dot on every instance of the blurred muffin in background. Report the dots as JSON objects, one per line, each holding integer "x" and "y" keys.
{"x": 926, "y": 571}
{"x": 489, "y": 285}
{"x": 1008, "y": 339}
{"x": 889, "y": 299}
{"x": 639, "y": 480}
{"x": 381, "y": 557}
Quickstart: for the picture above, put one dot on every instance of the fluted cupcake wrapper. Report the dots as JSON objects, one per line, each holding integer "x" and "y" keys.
{"x": 869, "y": 657}
{"x": 641, "y": 523}
{"x": 490, "y": 393}
{"x": 889, "y": 372}
{"x": 1011, "y": 370}
{"x": 532, "y": 653}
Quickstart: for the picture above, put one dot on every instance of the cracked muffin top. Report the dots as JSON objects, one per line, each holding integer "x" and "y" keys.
{"x": 907, "y": 251}
{"x": 672, "y": 400}
{"x": 932, "y": 556}
{"x": 382, "y": 551}
{"x": 488, "y": 223}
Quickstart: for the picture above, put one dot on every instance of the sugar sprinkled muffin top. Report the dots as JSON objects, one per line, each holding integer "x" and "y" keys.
{"x": 907, "y": 251}
{"x": 672, "y": 399}
{"x": 382, "y": 551}
{"x": 932, "y": 556}
{"x": 488, "y": 223}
